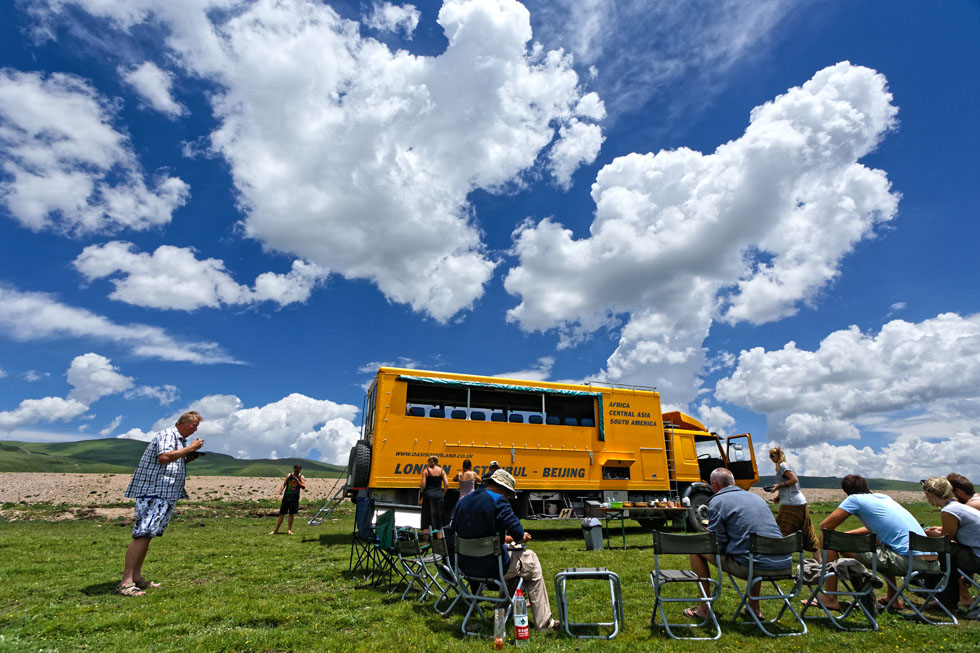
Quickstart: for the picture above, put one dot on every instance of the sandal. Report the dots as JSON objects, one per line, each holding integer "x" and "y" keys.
{"x": 895, "y": 608}
{"x": 817, "y": 603}
{"x": 747, "y": 614}
{"x": 129, "y": 589}
{"x": 144, "y": 584}
{"x": 692, "y": 613}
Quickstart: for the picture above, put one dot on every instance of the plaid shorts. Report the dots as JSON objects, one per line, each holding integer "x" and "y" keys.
{"x": 151, "y": 516}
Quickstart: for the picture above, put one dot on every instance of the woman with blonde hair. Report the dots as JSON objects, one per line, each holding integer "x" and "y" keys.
{"x": 962, "y": 524}
{"x": 794, "y": 513}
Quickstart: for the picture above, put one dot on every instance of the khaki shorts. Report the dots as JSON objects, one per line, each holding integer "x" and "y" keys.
{"x": 894, "y": 564}
{"x": 732, "y": 566}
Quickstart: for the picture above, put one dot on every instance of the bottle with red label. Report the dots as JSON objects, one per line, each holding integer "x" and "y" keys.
{"x": 521, "y": 632}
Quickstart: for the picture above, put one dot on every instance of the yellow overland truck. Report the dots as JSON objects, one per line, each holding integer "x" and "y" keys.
{"x": 566, "y": 445}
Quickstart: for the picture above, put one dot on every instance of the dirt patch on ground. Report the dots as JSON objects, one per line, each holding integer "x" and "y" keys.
{"x": 97, "y": 490}
{"x": 814, "y": 495}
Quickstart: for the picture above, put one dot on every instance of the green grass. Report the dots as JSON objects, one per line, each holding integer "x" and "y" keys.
{"x": 119, "y": 456}
{"x": 230, "y": 587}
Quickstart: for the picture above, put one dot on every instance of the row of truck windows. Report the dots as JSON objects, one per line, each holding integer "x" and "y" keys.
{"x": 513, "y": 418}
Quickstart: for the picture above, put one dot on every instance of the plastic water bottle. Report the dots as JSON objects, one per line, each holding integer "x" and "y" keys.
{"x": 521, "y": 633}
{"x": 499, "y": 628}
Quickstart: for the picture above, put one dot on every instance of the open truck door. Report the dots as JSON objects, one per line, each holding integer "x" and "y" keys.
{"x": 741, "y": 460}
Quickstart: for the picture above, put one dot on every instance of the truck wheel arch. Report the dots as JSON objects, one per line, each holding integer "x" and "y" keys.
{"x": 698, "y": 493}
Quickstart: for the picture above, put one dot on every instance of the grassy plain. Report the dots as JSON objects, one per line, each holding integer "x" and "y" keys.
{"x": 228, "y": 586}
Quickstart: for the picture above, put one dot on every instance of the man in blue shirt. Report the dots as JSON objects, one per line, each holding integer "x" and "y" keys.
{"x": 889, "y": 522}
{"x": 486, "y": 511}
{"x": 733, "y": 515}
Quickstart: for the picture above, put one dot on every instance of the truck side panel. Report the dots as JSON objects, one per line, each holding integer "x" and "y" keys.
{"x": 631, "y": 454}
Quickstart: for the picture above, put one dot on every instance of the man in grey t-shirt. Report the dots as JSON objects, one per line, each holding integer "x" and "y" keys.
{"x": 733, "y": 515}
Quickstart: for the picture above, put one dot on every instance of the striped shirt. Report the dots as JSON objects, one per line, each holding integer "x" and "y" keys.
{"x": 151, "y": 479}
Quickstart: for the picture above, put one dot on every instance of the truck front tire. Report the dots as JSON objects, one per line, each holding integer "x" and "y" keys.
{"x": 698, "y": 511}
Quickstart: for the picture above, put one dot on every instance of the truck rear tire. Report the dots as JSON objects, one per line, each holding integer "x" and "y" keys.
{"x": 698, "y": 511}
{"x": 360, "y": 464}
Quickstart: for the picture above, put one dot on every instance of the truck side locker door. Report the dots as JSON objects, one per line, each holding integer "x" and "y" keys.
{"x": 741, "y": 460}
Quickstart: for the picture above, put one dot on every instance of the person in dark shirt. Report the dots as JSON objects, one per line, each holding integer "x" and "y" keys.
{"x": 290, "y": 490}
{"x": 486, "y": 512}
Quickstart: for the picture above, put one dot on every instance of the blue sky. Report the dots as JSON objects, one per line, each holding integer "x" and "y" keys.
{"x": 766, "y": 210}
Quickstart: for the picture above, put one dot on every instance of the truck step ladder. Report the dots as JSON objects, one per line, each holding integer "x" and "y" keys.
{"x": 331, "y": 503}
{"x": 669, "y": 450}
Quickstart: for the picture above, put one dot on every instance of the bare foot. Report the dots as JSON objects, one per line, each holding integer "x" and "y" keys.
{"x": 274, "y": 533}
{"x": 289, "y": 532}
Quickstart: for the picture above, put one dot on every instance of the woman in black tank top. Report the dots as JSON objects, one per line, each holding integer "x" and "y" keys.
{"x": 434, "y": 485}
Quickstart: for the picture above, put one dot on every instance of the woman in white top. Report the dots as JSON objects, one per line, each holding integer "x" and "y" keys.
{"x": 794, "y": 513}
{"x": 962, "y": 523}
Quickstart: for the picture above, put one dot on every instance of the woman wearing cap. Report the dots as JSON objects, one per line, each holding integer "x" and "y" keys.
{"x": 794, "y": 513}
{"x": 962, "y": 524}
{"x": 434, "y": 485}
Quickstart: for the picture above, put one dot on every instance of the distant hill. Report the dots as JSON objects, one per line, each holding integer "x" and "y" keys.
{"x": 833, "y": 483}
{"x": 119, "y": 456}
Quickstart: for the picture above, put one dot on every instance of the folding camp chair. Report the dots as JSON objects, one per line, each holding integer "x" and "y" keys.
{"x": 925, "y": 583}
{"x": 386, "y": 567}
{"x": 601, "y": 574}
{"x": 415, "y": 564}
{"x": 760, "y": 545}
{"x": 363, "y": 555}
{"x": 489, "y": 549}
{"x": 859, "y": 591}
{"x": 670, "y": 544}
{"x": 444, "y": 567}
{"x": 967, "y": 576}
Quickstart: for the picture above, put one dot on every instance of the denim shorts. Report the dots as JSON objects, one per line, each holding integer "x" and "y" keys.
{"x": 151, "y": 516}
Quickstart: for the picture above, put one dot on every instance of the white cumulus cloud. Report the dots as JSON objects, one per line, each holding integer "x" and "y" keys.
{"x": 745, "y": 233}
{"x": 66, "y": 168}
{"x": 174, "y": 278}
{"x": 165, "y": 394}
{"x": 908, "y": 457}
{"x": 291, "y": 426}
{"x": 541, "y": 371}
{"x": 29, "y": 316}
{"x": 915, "y": 379}
{"x": 642, "y": 48}
{"x": 154, "y": 85}
{"x": 111, "y": 426}
{"x": 46, "y": 409}
{"x": 387, "y": 17}
{"x": 93, "y": 376}
{"x": 360, "y": 159}
{"x": 715, "y": 418}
